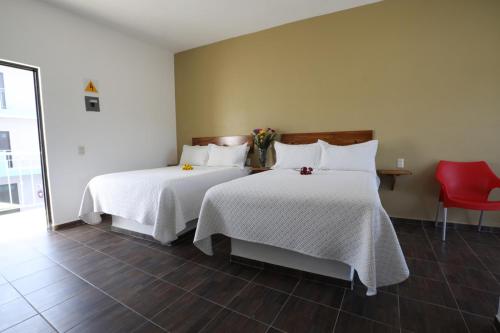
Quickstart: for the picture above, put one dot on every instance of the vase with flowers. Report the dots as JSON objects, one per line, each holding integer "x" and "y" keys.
{"x": 262, "y": 138}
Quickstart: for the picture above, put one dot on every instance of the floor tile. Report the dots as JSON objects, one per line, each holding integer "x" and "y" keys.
{"x": 14, "y": 312}
{"x": 70, "y": 313}
{"x": 259, "y": 302}
{"x": 215, "y": 261}
{"x": 241, "y": 271}
{"x": 452, "y": 236}
{"x": 424, "y": 268}
{"x": 492, "y": 264}
{"x": 348, "y": 323}
{"x": 57, "y": 292}
{"x": 470, "y": 277}
{"x": 188, "y": 276}
{"x": 88, "y": 264}
{"x": 479, "y": 324}
{"x": 107, "y": 273}
{"x": 7, "y": 294}
{"x": 427, "y": 290}
{"x": 220, "y": 288}
{"x": 484, "y": 250}
{"x": 103, "y": 240}
{"x": 419, "y": 249}
{"x": 116, "y": 319}
{"x": 184, "y": 249}
{"x": 81, "y": 233}
{"x": 148, "y": 327}
{"x": 424, "y": 317}
{"x": 412, "y": 229}
{"x": 382, "y": 307}
{"x": 55, "y": 243}
{"x": 303, "y": 316}
{"x": 174, "y": 318}
{"x": 122, "y": 248}
{"x": 153, "y": 261}
{"x": 485, "y": 238}
{"x": 228, "y": 321}
{"x": 126, "y": 282}
{"x": 278, "y": 281}
{"x": 17, "y": 271}
{"x": 70, "y": 254}
{"x": 152, "y": 298}
{"x": 475, "y": 301}
{"x": 13, "y": 256}
{"x": 456, "y": 255}
{"x": 35, "y": 324}
{"x": 321, "y": 293}
{"x": 40, "y": 279}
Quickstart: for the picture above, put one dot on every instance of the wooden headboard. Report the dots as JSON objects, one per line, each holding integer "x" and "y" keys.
{"x": 334, "y": 138}
{"x": 224, "y": 140}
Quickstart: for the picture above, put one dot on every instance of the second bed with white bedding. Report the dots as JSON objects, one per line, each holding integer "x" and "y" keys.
{"x": 164, "y": 198}
{"x": 334, "y": 215}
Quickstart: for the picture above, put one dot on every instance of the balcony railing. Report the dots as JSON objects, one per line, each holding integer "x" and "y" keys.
{"x": 20, "y": 180}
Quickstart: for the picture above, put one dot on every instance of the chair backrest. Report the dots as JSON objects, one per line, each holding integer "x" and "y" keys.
{"x": 468, "y": 180}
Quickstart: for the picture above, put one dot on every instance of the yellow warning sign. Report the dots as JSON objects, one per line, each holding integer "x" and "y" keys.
{"x": 91, "y": 87}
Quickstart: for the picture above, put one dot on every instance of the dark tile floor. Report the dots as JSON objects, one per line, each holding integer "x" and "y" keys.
{"x": 88, "y": 279}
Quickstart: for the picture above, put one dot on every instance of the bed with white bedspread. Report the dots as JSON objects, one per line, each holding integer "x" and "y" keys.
{"x": 334, "y": 215}
{"x": 164, "y": 198}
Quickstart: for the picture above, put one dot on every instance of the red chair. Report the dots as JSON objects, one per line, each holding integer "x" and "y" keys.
{"x": 465, "y": 185}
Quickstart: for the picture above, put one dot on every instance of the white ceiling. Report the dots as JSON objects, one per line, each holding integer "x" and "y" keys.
{"x": 184, "y": 24}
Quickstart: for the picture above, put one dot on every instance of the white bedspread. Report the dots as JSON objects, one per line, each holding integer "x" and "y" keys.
{"x": 166, "y": 198}
{"x": 334, "y": 215}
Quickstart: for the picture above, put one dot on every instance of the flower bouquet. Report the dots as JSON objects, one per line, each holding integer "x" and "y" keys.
{"x": 262, "y": 139}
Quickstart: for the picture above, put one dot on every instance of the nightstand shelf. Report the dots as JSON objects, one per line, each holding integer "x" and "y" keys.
{"x": 393, "y": 174}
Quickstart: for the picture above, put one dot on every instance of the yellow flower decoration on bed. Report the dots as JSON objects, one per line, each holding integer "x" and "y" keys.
{"x": 187, "y": 167}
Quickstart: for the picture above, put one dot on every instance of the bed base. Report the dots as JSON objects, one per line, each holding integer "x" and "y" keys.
{"x": 277, "y": 256}
{"x": 136, "y": 229}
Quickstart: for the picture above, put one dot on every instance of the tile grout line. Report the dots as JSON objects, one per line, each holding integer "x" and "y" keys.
{"x": 176, "y": 300}
{"x": 340, "y": 309}
{"x": 448, "y": 283}
{"x": 32, "y": 306}
{"x": 107, "y": 294}
{"x": 480, "y": 260}
{"x": 283, "y": 306}
{"x": 104, "y": 292}
{"x": 224, "y": 307}
{"x": 225, "y": 273}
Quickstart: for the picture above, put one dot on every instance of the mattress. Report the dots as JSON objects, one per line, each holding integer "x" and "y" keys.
{"x": 335, "y": 215}
{"x": 165, "y": 198}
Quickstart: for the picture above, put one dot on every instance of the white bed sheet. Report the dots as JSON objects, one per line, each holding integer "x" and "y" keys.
{"x": 166, "y": 198}
{"x": 334, "y": 215}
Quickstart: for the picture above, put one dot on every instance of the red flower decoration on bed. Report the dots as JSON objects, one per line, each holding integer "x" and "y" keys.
{"x": 306, "y": 171}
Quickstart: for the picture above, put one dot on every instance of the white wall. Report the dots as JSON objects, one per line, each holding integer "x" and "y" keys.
{"x": 136, "y": 125}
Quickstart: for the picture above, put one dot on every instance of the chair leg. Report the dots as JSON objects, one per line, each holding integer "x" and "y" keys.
{"x": 437, "y": 214}
{"x": 480, "y": 220}
{"x": 445, "y": 217}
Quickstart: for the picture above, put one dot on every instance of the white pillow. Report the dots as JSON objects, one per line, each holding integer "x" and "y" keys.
{"x": 227, "y": 156}
{"x": 194, "y": 155}
{"x": 296, "y": 156}
{"x": 357, "y": 157}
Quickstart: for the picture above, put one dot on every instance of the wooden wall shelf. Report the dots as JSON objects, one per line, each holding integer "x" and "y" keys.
{"x": 393, "y": 174}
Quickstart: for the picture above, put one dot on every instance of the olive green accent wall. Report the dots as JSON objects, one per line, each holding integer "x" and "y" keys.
{"x": 423, "y": 74}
